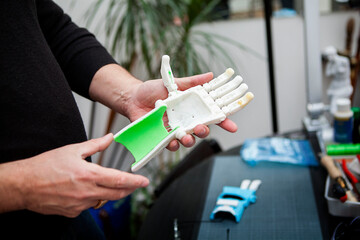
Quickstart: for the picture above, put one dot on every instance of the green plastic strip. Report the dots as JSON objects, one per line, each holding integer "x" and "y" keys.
{"x": 343, "y": 149}
{"x": 145, "y": 135}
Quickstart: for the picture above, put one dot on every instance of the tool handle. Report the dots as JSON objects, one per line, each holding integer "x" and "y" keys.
{"x": 328, "y": 163}
{"x": 348, "y": 173}
{"x": 339, "y": 192}
{"x": 350, "y": 196}
{"x": 349, "y": 34}
{"x": 335, "y": 173}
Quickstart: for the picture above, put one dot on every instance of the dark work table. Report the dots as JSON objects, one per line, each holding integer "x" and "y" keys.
{"x": 290, "y": 202}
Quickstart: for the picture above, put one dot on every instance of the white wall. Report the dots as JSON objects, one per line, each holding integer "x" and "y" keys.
{"x": 288, "y": 39}
{"x": 289, "y": 53}
{"x": 255, "y": 119}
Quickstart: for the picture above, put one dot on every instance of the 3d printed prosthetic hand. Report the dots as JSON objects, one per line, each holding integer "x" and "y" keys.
{"x": 234, "y": 200}
{"x": 206, "y": 104}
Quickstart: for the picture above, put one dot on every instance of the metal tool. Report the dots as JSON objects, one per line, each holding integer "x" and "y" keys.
{"x": 335, "y": 174}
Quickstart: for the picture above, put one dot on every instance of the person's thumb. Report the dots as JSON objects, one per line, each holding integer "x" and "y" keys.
{"x": 189, "y": 82}
{"x": 93, "y": 146}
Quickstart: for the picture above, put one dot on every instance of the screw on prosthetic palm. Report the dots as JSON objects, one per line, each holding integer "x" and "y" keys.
{"x": 208, "y": 104}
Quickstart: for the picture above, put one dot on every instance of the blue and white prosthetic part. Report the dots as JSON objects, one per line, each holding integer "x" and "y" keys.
{"x": 234, "y": 200}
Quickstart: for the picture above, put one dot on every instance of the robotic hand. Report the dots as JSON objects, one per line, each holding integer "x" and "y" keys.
{"x": 207, "y": 104}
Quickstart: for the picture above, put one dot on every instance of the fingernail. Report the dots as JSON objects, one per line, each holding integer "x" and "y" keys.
{"x": 145, "y": 183}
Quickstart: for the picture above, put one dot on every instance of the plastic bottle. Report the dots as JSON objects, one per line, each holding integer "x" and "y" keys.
{"x": 343, "y": 121}
{"x": 356, "y": 128}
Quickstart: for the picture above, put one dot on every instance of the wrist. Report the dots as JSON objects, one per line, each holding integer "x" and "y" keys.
{"x": 12, "y": 189}
{"x": 113, "y": 86}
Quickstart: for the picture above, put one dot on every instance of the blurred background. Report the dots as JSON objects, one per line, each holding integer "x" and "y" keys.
{"x": 241, "y": 21}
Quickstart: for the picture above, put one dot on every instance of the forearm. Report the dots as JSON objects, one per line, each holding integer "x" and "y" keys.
{"x": 113, "y": 86}
{"x": 11, "y": 187}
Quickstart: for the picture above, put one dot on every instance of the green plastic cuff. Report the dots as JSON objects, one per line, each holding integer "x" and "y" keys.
{"x": 145, "y": 134}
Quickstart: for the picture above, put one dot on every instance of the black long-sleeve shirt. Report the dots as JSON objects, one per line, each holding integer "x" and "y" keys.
{"x": 43, "y": 56}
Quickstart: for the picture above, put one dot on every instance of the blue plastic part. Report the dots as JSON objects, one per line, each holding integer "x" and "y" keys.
{"x": 244, "y": 197}
{"x": 277, "y": 149}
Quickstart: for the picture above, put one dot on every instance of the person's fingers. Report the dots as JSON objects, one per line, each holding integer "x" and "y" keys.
{"x": 188, "y": 82}
{"x": 93, "y": 146}
{"x": 202, "y": 131}
{"x": 113, "y": 178}
{"x": 228, "y": 125}
{"x": 112, "y": 194}
{"x": 188, "y": 140}
{"x": 173, "y": 145}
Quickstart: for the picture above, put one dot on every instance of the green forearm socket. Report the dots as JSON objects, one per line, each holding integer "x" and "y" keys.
{"x": 145, "y": 135}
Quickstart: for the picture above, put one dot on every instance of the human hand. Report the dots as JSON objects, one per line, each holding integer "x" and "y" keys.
{"x": 61, "y": 182}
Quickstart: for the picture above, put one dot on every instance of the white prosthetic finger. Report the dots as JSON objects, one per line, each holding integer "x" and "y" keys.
{"x": 167, "y": 75}
{"x": 232, "y": 96}
{"x": 238, "y": 104}
{"x": 226, "y": 88}
{"x": 255, "y": 184}
{"x": 180, "y": 133}
{"x": 219, "y": 81}
{"x": 245, "y": 184}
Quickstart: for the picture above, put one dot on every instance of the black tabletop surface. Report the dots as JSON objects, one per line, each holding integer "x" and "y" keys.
{"x": 182, "y": 204}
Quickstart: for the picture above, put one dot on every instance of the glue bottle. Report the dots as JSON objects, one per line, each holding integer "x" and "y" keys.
{"x": 343, "y": 121}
